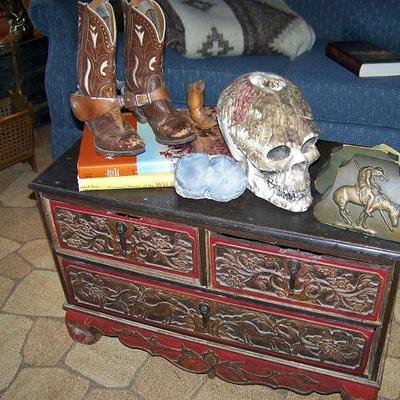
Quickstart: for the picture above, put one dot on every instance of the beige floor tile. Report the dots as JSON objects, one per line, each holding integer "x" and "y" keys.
{"x": 38, "y": 253}
{"x": 21, "y": 167}
{"x": 47, "y": 342}
{"x": 159, "y": 379}
{"x": 18, "y": 194}
{"x": 43, "y": 157}
{"x": 22, "y": 224}
{"x": 217, "y": 389}
{"x": 313, "y": 396}
{"x": 7, "y": 176}
{"x": 46, "y": 384}
{"x": 397, "y": 304}
{"x": 6, "y": 286}
{"x": 394, "y": 341}
{"x": 7, "y": 246}
{"x": 107, "y": 362}
{"x": 390, "y": 388}
{"x": 14, "y": 267}
{"x": 38, "y": 294}
{"x": 13, "y": 331}
{"x": 397, "y": 312}
{"x": 111, "y": 394}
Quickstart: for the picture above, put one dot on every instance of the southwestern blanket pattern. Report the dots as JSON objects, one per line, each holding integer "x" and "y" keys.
{"x": 208, "y": 28}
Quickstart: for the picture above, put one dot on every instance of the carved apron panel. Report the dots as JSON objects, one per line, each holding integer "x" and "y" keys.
{"x": 288, "y": 336}
{"x": 134, "y": 242}
{"x": 353, "y": 291}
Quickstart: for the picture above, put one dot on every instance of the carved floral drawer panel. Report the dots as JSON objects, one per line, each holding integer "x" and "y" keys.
{"x": 134, "y": 243}
{"x": 325, "y": 343}
{"x": 296, "y": 278}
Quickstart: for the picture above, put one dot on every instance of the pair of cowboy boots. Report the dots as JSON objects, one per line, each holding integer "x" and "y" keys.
{"x": 97, "y": 103}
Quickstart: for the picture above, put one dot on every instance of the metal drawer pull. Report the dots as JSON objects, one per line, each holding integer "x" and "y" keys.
{"x": 121, "y": 229}
{"x": 294, "y": 267}
{"x": 204, "y": 309}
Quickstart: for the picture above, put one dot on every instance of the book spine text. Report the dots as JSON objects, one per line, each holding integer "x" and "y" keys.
{"x": 127, "y": 182}
{"x": 103, "y": 171}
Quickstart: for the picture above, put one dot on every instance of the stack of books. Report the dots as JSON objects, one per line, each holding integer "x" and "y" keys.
{"x": 153, "y": 168}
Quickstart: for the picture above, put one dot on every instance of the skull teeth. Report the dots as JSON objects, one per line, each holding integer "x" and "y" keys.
{"x": 289, "y": 194}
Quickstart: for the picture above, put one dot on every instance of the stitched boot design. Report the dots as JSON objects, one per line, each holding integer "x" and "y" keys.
{"x": 96, "y": 102}
{"x": 146, "y": 94}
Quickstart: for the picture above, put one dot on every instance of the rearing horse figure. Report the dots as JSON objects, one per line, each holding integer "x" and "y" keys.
{"x": 366, "y": 193}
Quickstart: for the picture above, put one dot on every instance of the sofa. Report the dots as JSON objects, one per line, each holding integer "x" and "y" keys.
{"x": 346, "y": 108}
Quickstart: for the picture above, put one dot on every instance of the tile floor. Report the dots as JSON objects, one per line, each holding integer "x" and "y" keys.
{"x": 38, "y": 360}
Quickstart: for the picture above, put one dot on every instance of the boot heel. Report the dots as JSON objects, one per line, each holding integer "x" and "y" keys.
{"x": 140, "y": 117}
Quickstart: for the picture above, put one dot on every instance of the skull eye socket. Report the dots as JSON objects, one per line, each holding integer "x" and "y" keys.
{"x": 309, "y": 144}
{"x": 278, "y": 153}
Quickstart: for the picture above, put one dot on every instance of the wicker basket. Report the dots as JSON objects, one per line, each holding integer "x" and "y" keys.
{"x": 16, "y": 135}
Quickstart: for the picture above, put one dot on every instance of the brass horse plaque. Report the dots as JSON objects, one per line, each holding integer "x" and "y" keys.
{"x": 364, "y": 197}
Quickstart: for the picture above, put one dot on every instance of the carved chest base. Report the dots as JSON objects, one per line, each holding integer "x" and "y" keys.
{"x": 216, "y": 361}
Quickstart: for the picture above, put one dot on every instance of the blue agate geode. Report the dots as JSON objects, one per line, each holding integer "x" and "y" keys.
{"x": 219, "y": 178}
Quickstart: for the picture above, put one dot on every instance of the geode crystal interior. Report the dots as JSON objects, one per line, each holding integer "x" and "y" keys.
{"x": 218, "y": 178}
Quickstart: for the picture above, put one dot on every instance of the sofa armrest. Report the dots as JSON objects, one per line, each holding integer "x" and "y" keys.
{"x": 58, "y": 20}
{"x": 38, "y": 13}
{"x": 49, "y": 16}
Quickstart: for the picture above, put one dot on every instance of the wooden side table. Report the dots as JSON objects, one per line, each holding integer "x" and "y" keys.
{"x": 242, "y": 290}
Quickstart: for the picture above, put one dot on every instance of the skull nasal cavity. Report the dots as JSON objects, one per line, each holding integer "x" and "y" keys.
{"x": 278, "y": 153}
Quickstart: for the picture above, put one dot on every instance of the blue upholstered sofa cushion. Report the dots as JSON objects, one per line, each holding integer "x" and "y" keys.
{"x": 217, "y": 72}
{"x": 337, "y": 95}
{"x": 346, "y": 108}
{"x": 327, "y": 17}
{"x": 179, "y": 71}
{"x": 376, "y": 21}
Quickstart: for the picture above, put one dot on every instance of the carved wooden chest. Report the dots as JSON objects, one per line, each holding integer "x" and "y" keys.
{"x": 243, "y": 290}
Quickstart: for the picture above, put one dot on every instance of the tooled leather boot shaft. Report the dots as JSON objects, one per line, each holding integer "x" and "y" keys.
{"x": 144, "y": 38}
{"x": 146, "y": 94}
{"x": 96, "y": 50}
{"x": 96, "y": 102}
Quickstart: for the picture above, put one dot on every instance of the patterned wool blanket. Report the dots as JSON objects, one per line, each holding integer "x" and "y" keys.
{"x": 208, "y": 28}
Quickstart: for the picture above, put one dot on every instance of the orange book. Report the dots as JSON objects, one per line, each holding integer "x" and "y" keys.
{"x": 94, "y": 165}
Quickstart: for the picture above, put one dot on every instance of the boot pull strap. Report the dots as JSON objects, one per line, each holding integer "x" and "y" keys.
{"x": 132, "y": 100}
{"x": 91, "y": 108}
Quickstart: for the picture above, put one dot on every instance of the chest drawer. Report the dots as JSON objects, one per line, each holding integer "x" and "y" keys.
{"x": 139, "y": 244}
{"x": 322, "y": 342}
{"x": 296, "y": 278}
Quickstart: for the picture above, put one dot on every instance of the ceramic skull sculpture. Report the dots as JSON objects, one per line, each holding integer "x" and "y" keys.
{"x": 270, "y": 131}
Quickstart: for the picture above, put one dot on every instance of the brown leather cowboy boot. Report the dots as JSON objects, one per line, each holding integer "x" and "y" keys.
{"x": 146, "y": 94}
{"x": 96, "y": 102}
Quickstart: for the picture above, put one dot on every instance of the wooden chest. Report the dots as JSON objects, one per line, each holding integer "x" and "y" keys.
{"x": 241, "y": 290}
